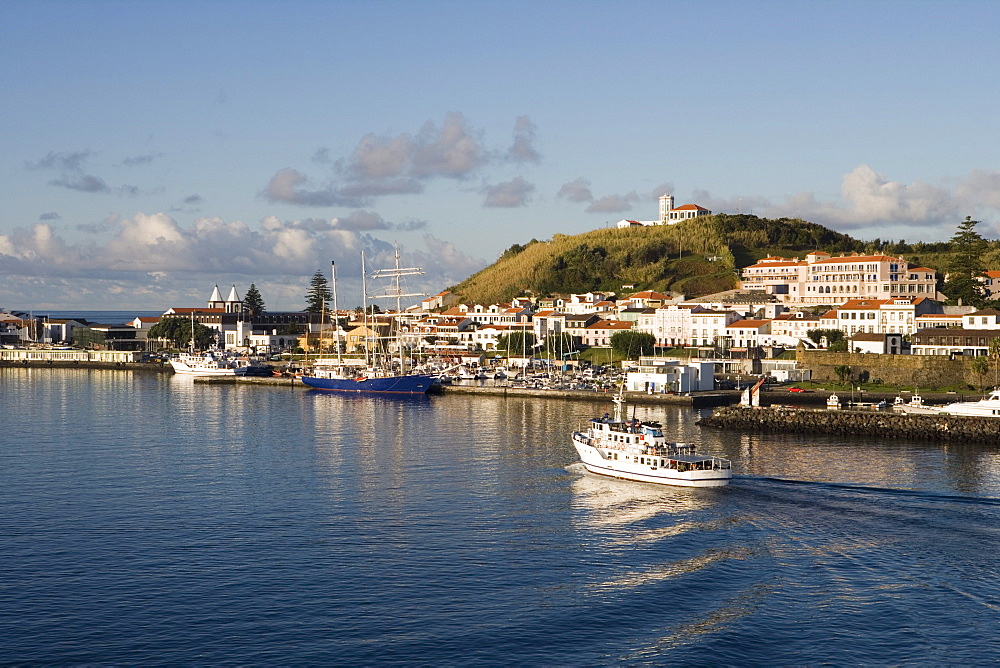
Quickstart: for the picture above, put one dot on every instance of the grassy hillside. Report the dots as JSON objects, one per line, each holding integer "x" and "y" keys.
{"x": 658, "y": 258}
{"x": 695, "y": 257}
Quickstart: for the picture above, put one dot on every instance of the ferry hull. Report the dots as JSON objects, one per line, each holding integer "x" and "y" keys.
{"x": 412, "y": 384}
{"x": 595, "y": 463}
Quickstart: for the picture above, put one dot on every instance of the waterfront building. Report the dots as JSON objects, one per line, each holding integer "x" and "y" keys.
{"x": 965, "y": 342}
{"x": 659, "y": 375}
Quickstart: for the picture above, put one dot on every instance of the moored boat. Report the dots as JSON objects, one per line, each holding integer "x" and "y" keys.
{"x": 214, "y": 364}
{"x": 986, "y": 407}
{"x": 638, "y": 450}
{"x": 353, "y": 379}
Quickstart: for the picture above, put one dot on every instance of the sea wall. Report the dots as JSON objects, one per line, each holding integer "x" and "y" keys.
{"x": 873, "y": 424}
{"x": 926, "y": 371}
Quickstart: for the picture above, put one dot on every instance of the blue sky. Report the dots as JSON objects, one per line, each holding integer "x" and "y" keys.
{"x": 152, "y": 150}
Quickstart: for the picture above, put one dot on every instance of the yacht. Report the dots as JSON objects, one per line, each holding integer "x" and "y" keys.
{"x": 637, "y": 450}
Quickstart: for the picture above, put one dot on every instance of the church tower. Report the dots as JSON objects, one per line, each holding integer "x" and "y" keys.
{"x": 666, "y": 206}
{"x": 233, "y": 302}
{"x": 215, "y": 301}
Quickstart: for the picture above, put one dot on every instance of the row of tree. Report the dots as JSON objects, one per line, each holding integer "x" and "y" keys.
{"x": 629, "y": 345}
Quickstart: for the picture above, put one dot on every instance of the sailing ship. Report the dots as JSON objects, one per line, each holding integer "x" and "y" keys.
{"x": 368, "y": 376}
{"x": 638, "y": 450}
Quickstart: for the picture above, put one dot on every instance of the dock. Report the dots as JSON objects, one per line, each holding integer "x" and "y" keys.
{"x": 869, "y": 424}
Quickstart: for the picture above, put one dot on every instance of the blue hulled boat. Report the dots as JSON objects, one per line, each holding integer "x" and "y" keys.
{"x": 408, "y": 384}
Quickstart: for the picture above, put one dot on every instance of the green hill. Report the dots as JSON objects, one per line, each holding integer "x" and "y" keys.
{"x": 694, "y": 257}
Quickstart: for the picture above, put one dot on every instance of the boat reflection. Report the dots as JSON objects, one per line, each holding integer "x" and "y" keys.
{"x": 611, "y": 502}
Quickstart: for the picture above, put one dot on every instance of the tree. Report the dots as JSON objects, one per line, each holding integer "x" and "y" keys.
{"x": 631, "y": 345}
{"x": 177, "y": 330}
{"x": 319, "y": 294}
{"x": 253, "y": 302}
{"x": 85, "y": 337}
{"x": 965, "y": 266}
{"x": 843, "y": 372}
{"x": 981, "y": 366}
{"x": 517, "y": 343}
{"x": 832, "y": 336}
{"x": 995, "y": 356}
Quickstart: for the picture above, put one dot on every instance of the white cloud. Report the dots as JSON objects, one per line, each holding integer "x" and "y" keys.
{"x": 576, "y": 191}
{"x": 514, "y": 193}
{"x": 399, "y": 164}
{"x": 158, "y": 262}
{"x": 523, "y": 148}
{"x": 614, "y": 203}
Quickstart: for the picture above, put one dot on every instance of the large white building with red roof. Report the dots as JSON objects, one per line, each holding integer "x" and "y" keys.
{"x": 825, "y": 279}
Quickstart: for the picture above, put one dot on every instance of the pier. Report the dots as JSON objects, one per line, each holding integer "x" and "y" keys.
{"x": 869, "y": 424}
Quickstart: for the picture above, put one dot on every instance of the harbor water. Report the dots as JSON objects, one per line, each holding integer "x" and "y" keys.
{"x": 149, "y": 520}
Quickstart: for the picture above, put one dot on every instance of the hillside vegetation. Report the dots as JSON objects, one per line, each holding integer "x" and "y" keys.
{"x": 695, "y": 257}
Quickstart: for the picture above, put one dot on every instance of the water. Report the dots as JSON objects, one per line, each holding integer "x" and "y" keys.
{"x": 148, "y": 520}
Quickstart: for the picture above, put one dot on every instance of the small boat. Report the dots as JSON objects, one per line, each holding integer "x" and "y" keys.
{"x": 636, "y": 450}
{"x": 915, "y": 406}
{"x": 215, "y": 364}
{"x": 987, "y": 407}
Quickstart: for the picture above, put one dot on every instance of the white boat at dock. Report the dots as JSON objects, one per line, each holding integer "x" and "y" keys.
{"x": 986, "y": 407}
{"x": 215, "y": 364}
{"x": 637, "y": 450}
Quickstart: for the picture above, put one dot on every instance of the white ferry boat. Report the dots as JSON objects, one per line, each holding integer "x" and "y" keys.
{"x": 635, "y": 450}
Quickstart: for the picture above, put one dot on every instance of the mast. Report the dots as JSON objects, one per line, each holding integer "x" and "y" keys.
{"x": 395, "y": 291}
{"x": 364, "y": 307}
{"x": 336, "y": 319}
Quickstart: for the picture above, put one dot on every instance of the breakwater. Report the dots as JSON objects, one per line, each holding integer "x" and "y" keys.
{"x": 872, "y": 424}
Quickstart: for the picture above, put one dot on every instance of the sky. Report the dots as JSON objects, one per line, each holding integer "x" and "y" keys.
{"x": 152, "y": 150}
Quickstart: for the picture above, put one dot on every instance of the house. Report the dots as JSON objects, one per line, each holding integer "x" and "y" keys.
{"x": 747, "y": 333}
{"x": 966, "y": 342}
{"x": 648, "y": 299}
{"x": 598, "y": 335}
{"x": 881, "y": 344}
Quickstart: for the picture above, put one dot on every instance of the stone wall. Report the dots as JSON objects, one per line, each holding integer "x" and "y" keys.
{"x": 871, "y": 424}
{"x": 926, "y": 371}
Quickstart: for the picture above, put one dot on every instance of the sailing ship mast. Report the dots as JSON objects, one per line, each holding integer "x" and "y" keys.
{"x": 336, "y": 319}
{"x": 394, "y": 291}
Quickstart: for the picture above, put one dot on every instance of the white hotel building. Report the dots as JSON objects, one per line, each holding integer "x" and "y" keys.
{"x": 823, "y": 279}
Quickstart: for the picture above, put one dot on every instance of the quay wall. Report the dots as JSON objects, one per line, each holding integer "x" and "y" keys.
{"x": 931, "y": 371}
{"x": 698, "y": 400}
{"x": 871, "y": 424}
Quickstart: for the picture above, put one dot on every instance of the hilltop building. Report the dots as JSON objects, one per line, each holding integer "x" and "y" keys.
{"x": 668, "y": 214}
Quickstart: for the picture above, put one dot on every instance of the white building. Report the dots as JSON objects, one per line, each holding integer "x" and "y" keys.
{"x": 822, "y": 279}
{"x": 662, "y": 375}
{"x": 668, "y": 214}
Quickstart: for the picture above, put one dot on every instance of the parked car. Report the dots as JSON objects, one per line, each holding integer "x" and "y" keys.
{"x": 796, "y": 389}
